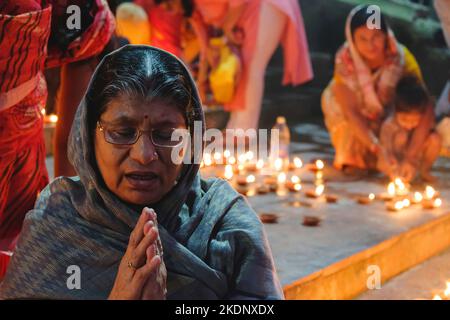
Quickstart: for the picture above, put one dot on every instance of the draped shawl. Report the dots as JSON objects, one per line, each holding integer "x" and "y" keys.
{"x": 214, "y": 245}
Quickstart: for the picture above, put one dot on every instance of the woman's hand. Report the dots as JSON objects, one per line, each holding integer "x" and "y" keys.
{"x": 155, "y": 287}
{"x": 407, "y": 171}
{"x": 139, "y": 260}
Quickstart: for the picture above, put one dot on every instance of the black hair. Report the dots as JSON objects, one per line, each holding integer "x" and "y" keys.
{"x": 360, "y": 19}
{"x": 187, "y": 5}
{"x": 139, "y": 71}
{"x": 411, "y": 95}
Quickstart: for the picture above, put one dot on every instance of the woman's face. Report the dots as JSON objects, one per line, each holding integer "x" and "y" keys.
{"x": 141, "y": 173}
{"x": 370, "y": 43}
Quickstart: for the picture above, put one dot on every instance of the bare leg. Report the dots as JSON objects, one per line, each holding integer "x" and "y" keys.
{"x": 271, "y": 26}
{"x": 74, "y": 81}
{"x": 431, "y": 153}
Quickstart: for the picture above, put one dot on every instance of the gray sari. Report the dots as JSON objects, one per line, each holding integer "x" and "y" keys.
{"x": 214, "y": 244}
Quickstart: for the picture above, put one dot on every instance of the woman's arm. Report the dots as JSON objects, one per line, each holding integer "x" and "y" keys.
{"x": 421, "y": 133}
{"x": 348, "y": 102}
{"x": 231, "y": 21}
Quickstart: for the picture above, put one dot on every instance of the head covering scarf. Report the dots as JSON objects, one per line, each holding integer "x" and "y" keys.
{"x": 214, "y": 245}
{"x": 352, "y": 69}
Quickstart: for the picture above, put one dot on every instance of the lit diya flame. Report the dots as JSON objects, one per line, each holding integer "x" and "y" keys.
{"x": 366, "y": 200}
{"x": 228, "y": 172}
{"x": 207, "y": 160}
{"x": 437, "y": 203}
{"x": 295, "y": 179}
{"x": 281, "y": 178}
{"x": 432, "y": 203}
{"x": 319, "y": 175}
{"x": 430, "y": 193}
{"x": 278, "y": 164}
{"x": 232, "y": 160}
{"x": 320, "y": 165}
{"x": 319, "y": 190}
{"x": 400, "y": 187}
{"x": 437, "y": 297}
{"x": 53, "y": 118}
{"x": 297, "y": 187}
{"x": 242, "y": 158}
{"x": 447, "y": 290}
{"x": 43, "y": 111}
{"x": 298, "y": 162}
{"x": 418, "y": 197}
{"x": 391, "y": 189}
{"x": 226, "y": 154}
{"x": 260, "y": 164}
{"x": 241, "y": 167}
{"x": 406, "y": 203}
{"x": 395, "y": 205}
{"x": 249, "y": 155}
{"x": 250, "y": 178}
{"x": 217, "y": 157}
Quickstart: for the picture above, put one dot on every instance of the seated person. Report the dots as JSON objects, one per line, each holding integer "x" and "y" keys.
{"x": 411, "y": 102}
{"x": 358, "y": 98}
{"x": 120, "y": 145}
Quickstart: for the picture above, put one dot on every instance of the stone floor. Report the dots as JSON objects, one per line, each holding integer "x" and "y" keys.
{"x": 421, "y": 282}
{"x": 346, "y": 227}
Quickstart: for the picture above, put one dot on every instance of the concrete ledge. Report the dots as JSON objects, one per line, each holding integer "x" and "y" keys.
{"x": 347, "y": 278}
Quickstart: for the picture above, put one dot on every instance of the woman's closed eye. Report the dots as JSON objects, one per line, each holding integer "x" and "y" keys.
{"x": 163, "y": 134}
{"x": 122, "y": 133}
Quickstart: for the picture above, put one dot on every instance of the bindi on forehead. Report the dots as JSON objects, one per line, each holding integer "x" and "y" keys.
{"x": 145, "y": 116}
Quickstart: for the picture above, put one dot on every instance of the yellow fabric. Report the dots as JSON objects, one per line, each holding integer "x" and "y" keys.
{"x": 132, "y": 23}
{"x": 411, "y": 65}
{"x": 222, "y": 79}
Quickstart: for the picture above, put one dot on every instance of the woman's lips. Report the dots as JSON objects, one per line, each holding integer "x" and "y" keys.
{"x": 142, "y": 180}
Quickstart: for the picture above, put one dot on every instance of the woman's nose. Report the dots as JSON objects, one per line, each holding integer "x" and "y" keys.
{"x": 143, "y": 151}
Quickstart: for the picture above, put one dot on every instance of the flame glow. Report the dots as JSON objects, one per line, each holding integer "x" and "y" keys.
{"x": 278, "y": 164}
{"x": 260, "y": 164}
{"x": 319, "y": 164}
{"x": 298, "y": 162}
{"x": 53, "y": 118}
{"x": 320, "y": 189}
{"x": 228, "y": 172}
{"x": 429, "y": 192}
{"x": 281, "y": 178}
{"x": 250, "y": 179}
{"x": 437, "y": 203}
{"x": 295, "y": 179}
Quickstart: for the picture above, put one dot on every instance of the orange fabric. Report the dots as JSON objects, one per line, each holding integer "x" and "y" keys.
{"x": 166, "y": 29}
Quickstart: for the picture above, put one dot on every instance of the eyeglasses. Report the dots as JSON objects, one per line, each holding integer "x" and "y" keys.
{"x": 166, "y": 138}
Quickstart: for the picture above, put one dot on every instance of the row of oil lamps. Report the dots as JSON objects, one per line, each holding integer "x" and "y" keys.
{"x": 445, "y": 295}
{"x": 242, "y": 171}
{"x": 279, "y": 175}
{"x": 399, "y": 197}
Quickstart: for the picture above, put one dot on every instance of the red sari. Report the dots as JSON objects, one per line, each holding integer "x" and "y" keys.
{"x": 24, "y": 33}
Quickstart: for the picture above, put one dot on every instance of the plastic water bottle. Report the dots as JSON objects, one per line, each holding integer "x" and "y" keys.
{"x": 284, "y": 141}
